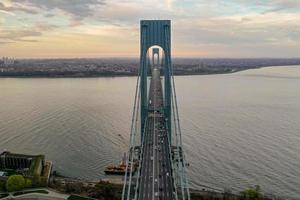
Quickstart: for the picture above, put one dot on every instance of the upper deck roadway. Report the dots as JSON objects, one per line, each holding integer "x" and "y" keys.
{"x": 156, "y": 182}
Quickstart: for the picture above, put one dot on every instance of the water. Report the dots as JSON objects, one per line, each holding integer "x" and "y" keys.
{"x": 239, "y": 129}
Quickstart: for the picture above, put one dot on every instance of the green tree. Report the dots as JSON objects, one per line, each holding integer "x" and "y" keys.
{"x": 28, "y": 183}
{"x": 196, "y": 196}
{"x": 2, "y": 185}
{"x": 104, "y": 190}
{"x": 74, "y": 187}
{"x": 15, "y": 183}
{"x": 251, "y": 193}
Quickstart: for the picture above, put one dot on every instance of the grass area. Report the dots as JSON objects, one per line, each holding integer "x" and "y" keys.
{"x": 75, "y": 197}
{"x": 3, "y": 195}
{"x": 30, "y": 191}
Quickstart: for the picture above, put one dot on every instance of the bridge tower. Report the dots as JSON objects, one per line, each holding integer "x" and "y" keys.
{"x": 155, "y": 51}
{"x": 156, "y": 164}
{"x": 155, "y": 32}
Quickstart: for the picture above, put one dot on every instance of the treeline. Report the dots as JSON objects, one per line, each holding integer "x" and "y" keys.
{"x": 104, "y": 190}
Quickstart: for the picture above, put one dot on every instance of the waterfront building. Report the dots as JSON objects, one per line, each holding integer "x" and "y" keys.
{"x": 31, "y": 166}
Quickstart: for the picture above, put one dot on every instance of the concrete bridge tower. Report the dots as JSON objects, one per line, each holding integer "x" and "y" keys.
{"x": 155, "y": 32}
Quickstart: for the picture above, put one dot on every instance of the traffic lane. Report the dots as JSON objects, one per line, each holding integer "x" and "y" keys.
{"x": 162, "y": 158}
{"x": 164, "y": 174}
{"x": 156, "y": 95}
{"x": 166, "y": 167}
{"x": 144, "y": 168}
{"x": 147, "y": 167}
{"x": 169, "y": 185}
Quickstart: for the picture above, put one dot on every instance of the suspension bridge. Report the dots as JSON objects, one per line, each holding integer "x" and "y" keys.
{"x": 155, "y": 146}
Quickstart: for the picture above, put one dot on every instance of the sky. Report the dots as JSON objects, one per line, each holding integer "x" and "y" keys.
{"x": 110, "y": 28}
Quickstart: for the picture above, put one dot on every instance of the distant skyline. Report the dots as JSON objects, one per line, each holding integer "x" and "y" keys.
{"x": 110, "y": 28}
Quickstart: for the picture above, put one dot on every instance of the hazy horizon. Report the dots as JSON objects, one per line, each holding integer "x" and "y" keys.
{"x": 136, "y": 57}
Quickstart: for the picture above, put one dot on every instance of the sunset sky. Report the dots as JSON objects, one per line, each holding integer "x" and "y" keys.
{"x": 110, "y": 28}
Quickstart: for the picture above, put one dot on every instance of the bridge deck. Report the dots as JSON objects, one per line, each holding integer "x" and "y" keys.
{"x": 156, "y": 170}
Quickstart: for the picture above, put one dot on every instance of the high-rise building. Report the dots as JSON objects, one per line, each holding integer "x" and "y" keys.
{"x": 6, "y": 61}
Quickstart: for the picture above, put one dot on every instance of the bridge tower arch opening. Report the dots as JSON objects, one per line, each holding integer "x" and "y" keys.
{"x": 156, "y": 54}
{"x": 155, "y": 33}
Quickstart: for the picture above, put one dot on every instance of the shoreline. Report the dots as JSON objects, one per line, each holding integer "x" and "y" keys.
{"x": 120, "y": 75}
{"x": 116, "y": 186}
{"x": 117, "y": 75}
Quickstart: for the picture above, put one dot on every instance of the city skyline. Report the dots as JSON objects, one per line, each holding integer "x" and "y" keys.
{"x": 99, "y": 28}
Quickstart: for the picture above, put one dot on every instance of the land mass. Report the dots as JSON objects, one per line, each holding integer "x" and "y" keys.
{"x": 107, "y": 67}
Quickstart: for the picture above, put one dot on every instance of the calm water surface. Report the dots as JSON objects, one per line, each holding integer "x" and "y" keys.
{"x": 239, "y": 129}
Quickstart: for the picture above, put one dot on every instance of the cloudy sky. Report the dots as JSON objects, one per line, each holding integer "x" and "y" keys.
{"x": 107, "y": 28}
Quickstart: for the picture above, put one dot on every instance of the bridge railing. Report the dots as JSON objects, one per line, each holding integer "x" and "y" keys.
{"x": 140, "y": 163}
{"x": 172, "y": 166}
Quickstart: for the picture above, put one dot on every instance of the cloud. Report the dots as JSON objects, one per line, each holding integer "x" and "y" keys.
{"x": 49, "y": 15}
{"x": 240, "y": 30}
{"x": 1, "y": 42}
{"x": 12, "y": 9}
{"x": 25, "y": 34}
{"x": 267, "y": 6}
{"x": 129, "y": 13}
{"x": 42, "y": 26}
{"x": 282, "y": 5}
{"x": 215, "y": 25}
{"x": 18, "y": 35}
{"x": 109, "y": 31}
{"x": 77, "y": 9}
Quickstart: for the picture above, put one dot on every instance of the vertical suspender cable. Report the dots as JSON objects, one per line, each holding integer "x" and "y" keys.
{"x": 130, "y": 140}
{"x": 132, "y": 147}
{"x": 172, "y": 101}
{"x": 137, "y": 92}
{"x": 172, "y": 165}
{"x": 131, "y": 136}
{"x": 179, "y": 128}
